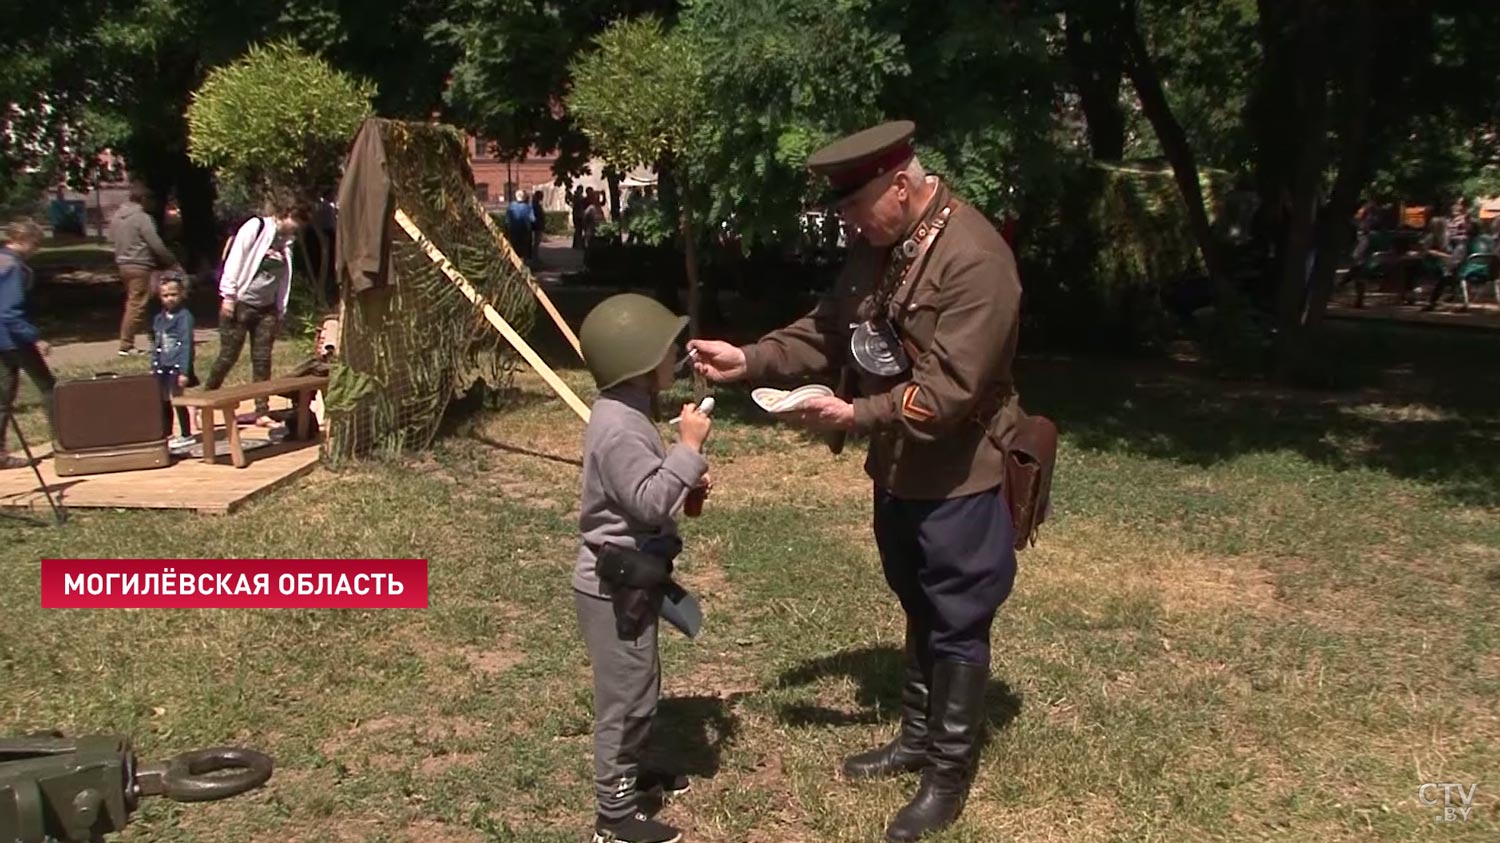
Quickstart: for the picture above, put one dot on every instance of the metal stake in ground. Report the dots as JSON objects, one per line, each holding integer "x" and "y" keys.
{"x": 58, "y": 515}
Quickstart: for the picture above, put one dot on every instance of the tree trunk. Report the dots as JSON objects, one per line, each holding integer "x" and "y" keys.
{"x": 1095, "y": 59}
{"x": 690, "y": 258}
{"x": 1273, "y": 118}
{"x": 1302, "y": 309}
{"x": 1174, "y": 144}
{"x": 614, "y": 196}
{"x": 1310, "y": 103}
{"x": 195, "y": 198}
{"x": 672, "y": 198}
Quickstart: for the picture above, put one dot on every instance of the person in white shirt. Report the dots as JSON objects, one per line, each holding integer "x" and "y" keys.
{"x": 253, "y": 289}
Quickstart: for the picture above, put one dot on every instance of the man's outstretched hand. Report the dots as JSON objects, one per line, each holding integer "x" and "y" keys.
{"x": 718, "y": 361}
{"x": 824, "y": 413}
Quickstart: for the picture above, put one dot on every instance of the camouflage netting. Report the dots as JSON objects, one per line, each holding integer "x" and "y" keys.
{"x": 412, "y": 345}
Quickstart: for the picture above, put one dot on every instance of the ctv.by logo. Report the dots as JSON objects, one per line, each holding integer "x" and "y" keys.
{"x": 1457, "y": 801}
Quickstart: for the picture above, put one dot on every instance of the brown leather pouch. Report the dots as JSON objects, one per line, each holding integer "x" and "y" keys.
{"x": 1029, "y": 461}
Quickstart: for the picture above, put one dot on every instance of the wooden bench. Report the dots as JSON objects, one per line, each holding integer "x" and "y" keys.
{"x": 228, "y": 400}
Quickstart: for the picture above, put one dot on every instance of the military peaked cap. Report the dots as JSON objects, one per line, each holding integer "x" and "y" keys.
{"x": 853, "y": 162}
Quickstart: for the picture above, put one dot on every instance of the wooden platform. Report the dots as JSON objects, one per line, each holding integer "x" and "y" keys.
{"x": 188, "y": 483}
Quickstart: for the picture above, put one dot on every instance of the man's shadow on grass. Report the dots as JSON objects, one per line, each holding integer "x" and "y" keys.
{"x": 879, "y": 673}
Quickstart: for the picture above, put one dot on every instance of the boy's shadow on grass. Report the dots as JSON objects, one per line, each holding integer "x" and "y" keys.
{"x": 690, "y": 734}
{"x": 879, "y": 673}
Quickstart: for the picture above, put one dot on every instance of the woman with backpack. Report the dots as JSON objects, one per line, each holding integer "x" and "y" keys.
{"x": 254, "y": 287}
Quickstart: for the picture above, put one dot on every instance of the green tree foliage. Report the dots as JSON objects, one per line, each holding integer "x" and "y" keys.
{"x": 513, "y": 67}
{"x": 120, "y": 74}
{"x": 780, "y": 78}
{"x": 984, "y": 90}
{"x": 1208, "y": 53}
{"x": 639, "y": 98}
{"x": 277, "y": 122}
{"x": 639, "y": 95}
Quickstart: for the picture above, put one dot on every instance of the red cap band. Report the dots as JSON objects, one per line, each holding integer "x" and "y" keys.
{"x": 858, "y": 176}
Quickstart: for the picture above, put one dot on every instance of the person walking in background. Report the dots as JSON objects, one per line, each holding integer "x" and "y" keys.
{"x": 21, "y": 349}
{"x": 1453, "y": 251}
{"x": 538, "y": 225}
{"x": 139, "y": 253}
{"x": 577, "y": 203}
{"x": 592, "y": 212}
{"x": 518, "y": 222}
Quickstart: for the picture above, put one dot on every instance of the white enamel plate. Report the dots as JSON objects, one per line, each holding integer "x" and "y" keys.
{"x": 781, "y": 400}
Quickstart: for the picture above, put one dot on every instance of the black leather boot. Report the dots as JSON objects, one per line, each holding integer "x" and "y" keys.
{"x": 908, "y": 752}
{"x": 957, "y": 717}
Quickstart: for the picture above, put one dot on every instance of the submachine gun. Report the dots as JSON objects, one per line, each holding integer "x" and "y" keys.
{"x": 60, "y": 790}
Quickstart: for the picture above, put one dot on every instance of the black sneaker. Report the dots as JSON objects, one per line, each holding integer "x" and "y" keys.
{"x": 670, "y": 784}
{"x": 635, "y": 829}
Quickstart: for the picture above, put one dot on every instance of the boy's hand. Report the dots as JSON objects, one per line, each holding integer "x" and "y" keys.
{"x": 43, "y": 348}
{"x": 226, "y": 309}
{"x": 182, "y": 381}
{"x": 694, "y": 427}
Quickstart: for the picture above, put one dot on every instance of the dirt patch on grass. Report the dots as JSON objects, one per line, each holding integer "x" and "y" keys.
{"x": 804, "y": 475}
{"x": 339, "y": 829}
{"x": 1478, "y": 551}
{"x": 1211, "y": 584}
{"x": 390, "y": 729}
{"x": 1084, "y": 819}
{"x": 1183, "y": 583}
{"x": 494, "y": 661}
{"x": 436, "y": 765}
{"x": 425, "y": 831}
{"x": 724, "y": 680}
{"x": 443, "y": 660}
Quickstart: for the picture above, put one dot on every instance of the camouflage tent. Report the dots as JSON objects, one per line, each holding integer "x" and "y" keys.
{"x": 411, "y": 341}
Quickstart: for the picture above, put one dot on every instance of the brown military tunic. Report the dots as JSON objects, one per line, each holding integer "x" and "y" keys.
{"x": 932, "y": 429}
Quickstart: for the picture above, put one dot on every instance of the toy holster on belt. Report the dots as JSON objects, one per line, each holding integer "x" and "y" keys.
{"x": 641, "y": 586}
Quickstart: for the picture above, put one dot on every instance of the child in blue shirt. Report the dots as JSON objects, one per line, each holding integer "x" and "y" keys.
{"x": 172, "y": 358}
{"x": 21, "y": 350}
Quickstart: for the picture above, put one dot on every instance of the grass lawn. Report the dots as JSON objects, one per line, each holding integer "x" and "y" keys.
{"x": 70, "y": 253}
{"x": 1256, "y": 615}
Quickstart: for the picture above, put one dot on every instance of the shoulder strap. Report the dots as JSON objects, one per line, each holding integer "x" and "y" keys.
{"x": 927, "y": 238}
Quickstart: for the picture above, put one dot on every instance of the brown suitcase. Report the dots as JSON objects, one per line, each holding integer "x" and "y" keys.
{"x": 108, "y": 411}
{"x": 105, "y": 460}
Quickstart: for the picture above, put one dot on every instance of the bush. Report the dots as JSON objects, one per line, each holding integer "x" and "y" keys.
{"x": 276, "y": 123}
{"x": 558, "y": 223}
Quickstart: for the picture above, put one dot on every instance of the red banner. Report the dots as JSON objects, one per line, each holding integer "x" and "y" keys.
{"x": 234, "y": 583}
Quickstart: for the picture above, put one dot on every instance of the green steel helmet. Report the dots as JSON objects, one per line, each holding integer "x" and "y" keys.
{"x": 625, "y": 336}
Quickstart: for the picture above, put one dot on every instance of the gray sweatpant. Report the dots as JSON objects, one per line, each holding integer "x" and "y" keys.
{"x": 627, "y": 682}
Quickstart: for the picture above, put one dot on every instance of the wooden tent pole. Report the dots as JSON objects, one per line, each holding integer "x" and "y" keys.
{"x": 536, "y": 288}
{"x": 494, "y": 317}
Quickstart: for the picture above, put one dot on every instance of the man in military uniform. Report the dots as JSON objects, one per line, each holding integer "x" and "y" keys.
{"x": 923, "y": 323}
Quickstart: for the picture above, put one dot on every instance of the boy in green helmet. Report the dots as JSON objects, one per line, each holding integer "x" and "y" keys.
{"x": 633, "y": 488}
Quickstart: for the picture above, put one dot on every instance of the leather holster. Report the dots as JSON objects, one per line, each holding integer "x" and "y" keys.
{"x": 637, "y": 580}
